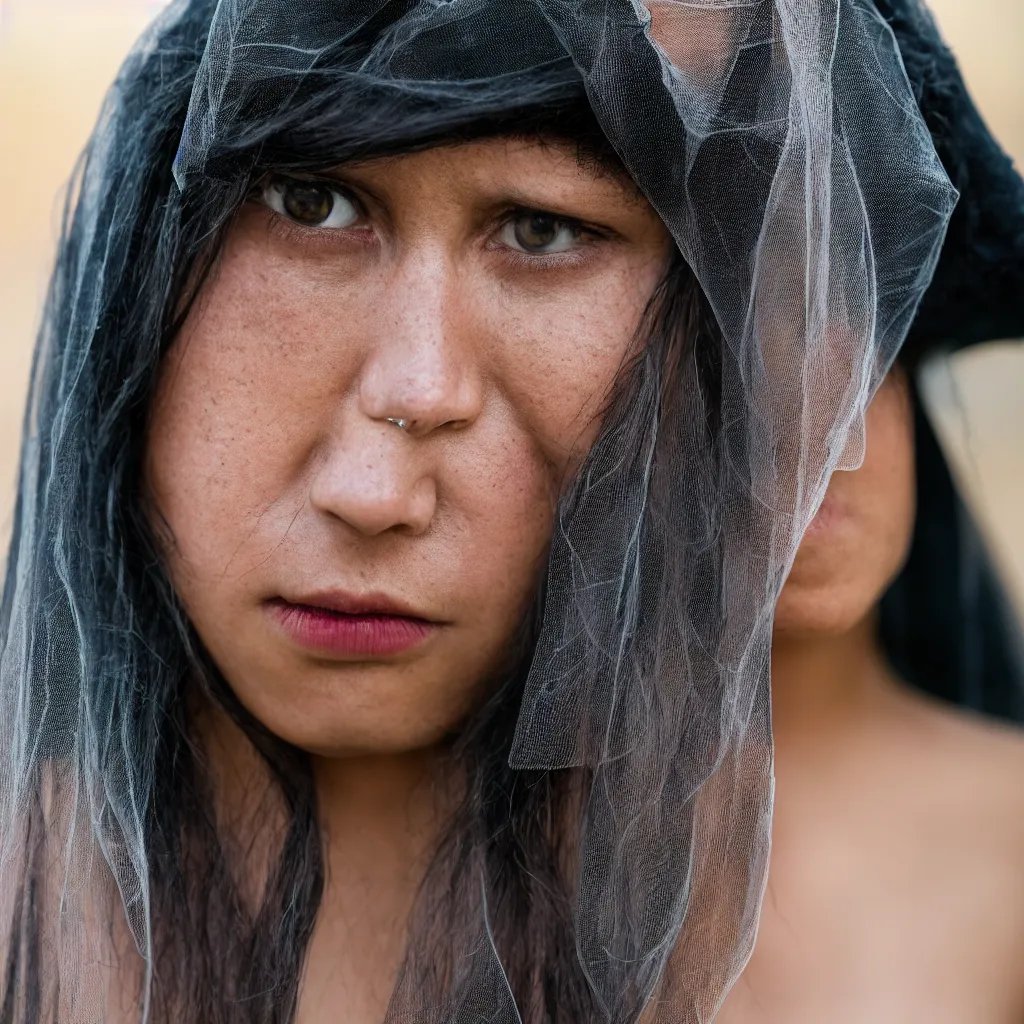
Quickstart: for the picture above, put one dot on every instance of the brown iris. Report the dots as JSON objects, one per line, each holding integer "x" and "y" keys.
{"x": 537, "y": 230}
{"x": 307, "y": 202}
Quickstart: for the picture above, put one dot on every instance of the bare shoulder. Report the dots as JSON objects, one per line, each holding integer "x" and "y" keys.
{"x": 975, "y": 761}
{"x": 966, "y": 731}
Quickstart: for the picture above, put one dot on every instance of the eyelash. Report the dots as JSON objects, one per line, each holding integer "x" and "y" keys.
{"x": 587, "y": 238}
{"x": 295, "y": 233}
{"x": 551, "y": 260}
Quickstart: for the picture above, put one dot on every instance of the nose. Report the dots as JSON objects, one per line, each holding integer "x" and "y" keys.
{"x": 370, "y": 483}
{"x": 420, "y": 367}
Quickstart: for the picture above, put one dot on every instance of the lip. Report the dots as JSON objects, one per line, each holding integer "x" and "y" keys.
{"x": 829, "y": 514}
{"x": 351, "y": 626}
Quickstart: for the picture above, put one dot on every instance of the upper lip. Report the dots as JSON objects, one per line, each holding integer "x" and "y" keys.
{"x": 346, "y": 603}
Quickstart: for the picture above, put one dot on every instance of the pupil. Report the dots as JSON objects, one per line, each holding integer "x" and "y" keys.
{"x": 536, "y": 230}
{"x": 308, "y": 202}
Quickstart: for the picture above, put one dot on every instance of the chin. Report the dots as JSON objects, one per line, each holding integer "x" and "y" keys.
{"x": 353, "y": 712}
{"x": 826, "y": 611}
{"x": 349, "y": 736}
{"x": 344, "y": 744}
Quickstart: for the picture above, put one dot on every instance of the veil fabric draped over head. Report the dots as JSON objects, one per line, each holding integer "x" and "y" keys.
{"x": 781, "y": 143}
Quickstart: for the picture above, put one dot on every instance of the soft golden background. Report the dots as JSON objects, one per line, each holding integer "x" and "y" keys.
{"x": 57, "y": 57}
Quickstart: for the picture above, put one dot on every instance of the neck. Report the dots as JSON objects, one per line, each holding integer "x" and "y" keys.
{"x": 381, "y": 817}
{"x": 381, "y": 812}
{"x": 825, "y": 685}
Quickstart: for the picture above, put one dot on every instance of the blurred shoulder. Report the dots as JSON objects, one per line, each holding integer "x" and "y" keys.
{"x": 975, "y": 762}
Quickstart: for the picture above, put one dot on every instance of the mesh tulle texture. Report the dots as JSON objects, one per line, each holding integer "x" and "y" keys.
{"x": 780, "y": 143}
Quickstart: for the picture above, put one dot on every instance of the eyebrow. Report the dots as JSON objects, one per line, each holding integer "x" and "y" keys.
{"x": 599, "y": 164}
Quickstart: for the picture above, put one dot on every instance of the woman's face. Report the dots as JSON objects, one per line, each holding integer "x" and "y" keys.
{"x": 859, "y": 539}
{"x": 356, "y": 582}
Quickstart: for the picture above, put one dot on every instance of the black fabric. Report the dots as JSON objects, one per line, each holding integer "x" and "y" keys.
{"x": 946, "y": 623}
{"x": 977, "y": 293}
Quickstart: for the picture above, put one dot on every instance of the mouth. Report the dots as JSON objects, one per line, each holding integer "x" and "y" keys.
{"x": 828, "y": 515}
{"x": 351, "y": 627}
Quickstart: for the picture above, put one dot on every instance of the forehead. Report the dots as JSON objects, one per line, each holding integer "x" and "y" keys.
{"x": 509, "y": 165}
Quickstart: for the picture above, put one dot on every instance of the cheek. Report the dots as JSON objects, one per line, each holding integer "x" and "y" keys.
{"x": 242, "y": 403}
{"x": 560, "y": 354}
{"x": 858, "y": 542}
{"x": 497, "y": 502}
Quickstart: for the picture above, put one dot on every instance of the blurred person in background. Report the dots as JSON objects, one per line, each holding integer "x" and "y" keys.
{"x": 423, "y": 427}
{"x": 896, "y": 889}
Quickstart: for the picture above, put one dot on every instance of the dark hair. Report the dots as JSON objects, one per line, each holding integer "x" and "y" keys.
{"x": 223, "y": 951}
{"x": 226, "y": 949}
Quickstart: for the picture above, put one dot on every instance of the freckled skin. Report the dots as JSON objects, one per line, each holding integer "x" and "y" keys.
{"x": 271, "y": 462}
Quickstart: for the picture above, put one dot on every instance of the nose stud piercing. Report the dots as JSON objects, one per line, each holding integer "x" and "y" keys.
{"x": 401, "y": 424}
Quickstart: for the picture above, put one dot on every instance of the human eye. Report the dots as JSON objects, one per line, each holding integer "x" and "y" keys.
{"x": 309, "y": 203}
{"x": 540, "y": 233}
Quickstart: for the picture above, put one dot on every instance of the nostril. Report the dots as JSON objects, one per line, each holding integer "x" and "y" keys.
{"x": 421, "y": 427}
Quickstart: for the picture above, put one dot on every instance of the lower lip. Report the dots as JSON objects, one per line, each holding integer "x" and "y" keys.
{"x": 826, "y": 517}
{"x": 366, "y": 636}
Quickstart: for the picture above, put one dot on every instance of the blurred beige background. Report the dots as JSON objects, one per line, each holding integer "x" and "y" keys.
{"x": 58, "y": 56}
